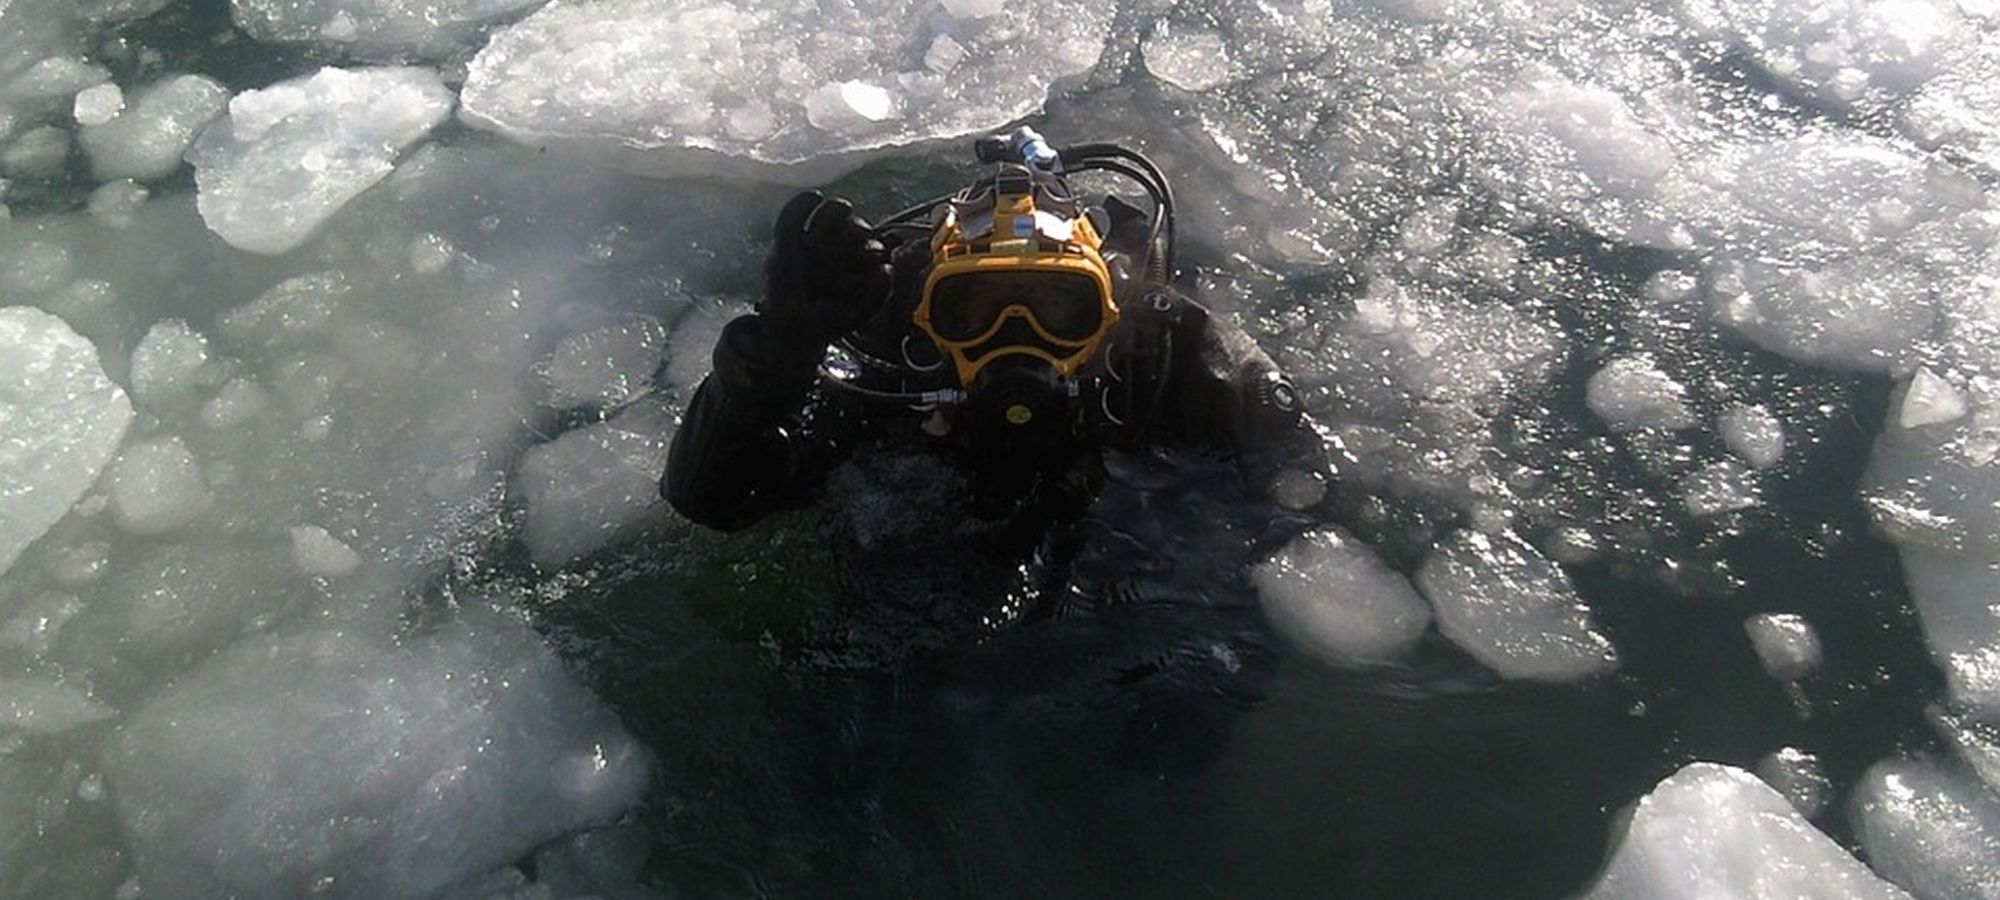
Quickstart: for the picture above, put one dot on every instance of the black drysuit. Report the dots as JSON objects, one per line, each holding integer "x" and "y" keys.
{"x": 1169, "y": 374}
{"x": 763, "y": 433}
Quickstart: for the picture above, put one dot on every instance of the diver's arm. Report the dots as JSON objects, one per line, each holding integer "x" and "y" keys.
{"x": 742, "y": 451}
{"x": 738, "y": 455}
{"x": 1227, "y": 393}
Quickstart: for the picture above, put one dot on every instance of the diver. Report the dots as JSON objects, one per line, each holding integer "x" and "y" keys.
{"x": 1014, "y": 329}
{"x": 1009, "y": 349}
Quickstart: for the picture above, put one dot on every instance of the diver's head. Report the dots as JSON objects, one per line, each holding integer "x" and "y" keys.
{"x": 1017, "y": 283}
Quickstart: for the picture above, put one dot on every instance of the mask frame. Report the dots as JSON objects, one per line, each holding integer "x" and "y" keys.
{"x": 1003, "y": 228}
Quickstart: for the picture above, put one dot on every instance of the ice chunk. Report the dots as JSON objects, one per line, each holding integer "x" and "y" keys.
{"x": 1958, "y": 601}
{"x": 1961, "y": 108}
{"x": 1855, "y": 54}
{"x": 1936, "y": 486}
{"x": 290, "y": 313}
{"x": 660, "y": 86}
{"x": 1786, "y": 645}
{"x": 146, "y": 140}
{"x": 1631, "y": 394}
{"x": 166, "y": 605}
{"x": 1929, "y": 400}
{"x": 156, "y": 487}
{"x": 1503, "y": 602}
{"x": 1838, "y": 250}
{"x": 848, "y": 106}
{"x": 1799, "y": 776}
{"x": 321, "y": 554}
{"x": 969, "y": 10}
{"x": 1440, "y": 347}
{"x": 115, "y": 204}
{"x": 1855, "y": 314}
{"x": 63, "y": 420}
{"x": 39, "y": 267}
{"x": 289, "y": 156}
{"x": 1753, "y": 434}
{"x": 1192, "y": 59}
{"x": 342, "y": 763}
{"x": 600, "y": 861}
{"x": 34, "y": 626}
{"x": 36, "y": 153}
{"x": 34, "y": 706}
{"x": 1334, "y": 598}
{"x": 1976, "y": 740}
{"x": 690, "y": 346}
{"x": 944, "y": 54}
{"x": 1587, "y": 153}
{"x": 1721, "y": 487}
{"x": 98, "y": 105}
{"x": 120, "y": 10}
{"x": 589, "y": 486}
{"x": 1930, "y": 830}
{"x": 165, "y": 364}
{"x": 605, "y": 367}
{"x": 376, "y": 28}
{"x": 58, "y": 76}
{"x": 237, "y": 402}
{"x": 80, "y": 563}
{"x": 1715, "y": 831}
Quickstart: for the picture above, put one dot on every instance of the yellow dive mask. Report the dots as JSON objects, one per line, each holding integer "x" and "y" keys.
{"x": 1016, "y": 271}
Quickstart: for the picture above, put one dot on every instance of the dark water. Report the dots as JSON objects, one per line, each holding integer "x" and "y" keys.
{"x": 1169, "y": 745}
{"x": 1029, "y": 761}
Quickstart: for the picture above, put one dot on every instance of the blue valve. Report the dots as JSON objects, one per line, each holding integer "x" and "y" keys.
{"x": 1034, "y": 149}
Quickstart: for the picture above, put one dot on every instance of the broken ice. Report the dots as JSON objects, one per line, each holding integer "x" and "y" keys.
{"x": 339, "y": 762}
{"x": 1711, "y": 830}
{"x": 593, "y": 484}
{"x": 146, "y": 136}
{"x": 663, "y": 87}
{"x": 1799, "y": 776}
{"x": 1930, "y": 829}
{"x": 63, "y": 421}
{"x": 287, "y": 157}
{"x": 1631, "y": 393}
{"x": 1786, "y": 645}
{"x": 1503, "y": 602}
{"x": 1333, "y": 597}
{"x": 376, "y": 28}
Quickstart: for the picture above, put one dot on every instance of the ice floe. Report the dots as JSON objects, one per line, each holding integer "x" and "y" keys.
{"x": 287, "y": 157}
{"x": 63, "y": 420}
{"x": 663, "y": 86}
{"x": 1711, "y": 830}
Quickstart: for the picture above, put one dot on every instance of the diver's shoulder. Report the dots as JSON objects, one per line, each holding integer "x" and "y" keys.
{"x": 1159, "y": 304}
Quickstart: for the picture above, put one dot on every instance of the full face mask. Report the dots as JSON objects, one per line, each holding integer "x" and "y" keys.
{"x": 1016, "y": 275}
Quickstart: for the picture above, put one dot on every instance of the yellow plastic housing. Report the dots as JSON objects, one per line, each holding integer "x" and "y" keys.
{"x": 1017, "y": 242}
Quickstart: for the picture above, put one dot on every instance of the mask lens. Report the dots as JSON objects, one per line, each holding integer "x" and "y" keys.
{"x": 1066, "y": 305}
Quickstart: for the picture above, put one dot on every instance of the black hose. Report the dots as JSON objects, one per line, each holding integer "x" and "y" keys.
{"x": 1156, "y": 266}
{"x": 1164, "y": 234}
{"x": 1084, "y": 156}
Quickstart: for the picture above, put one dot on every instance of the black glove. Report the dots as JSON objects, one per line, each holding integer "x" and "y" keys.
{"x": 826, "y": 276}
